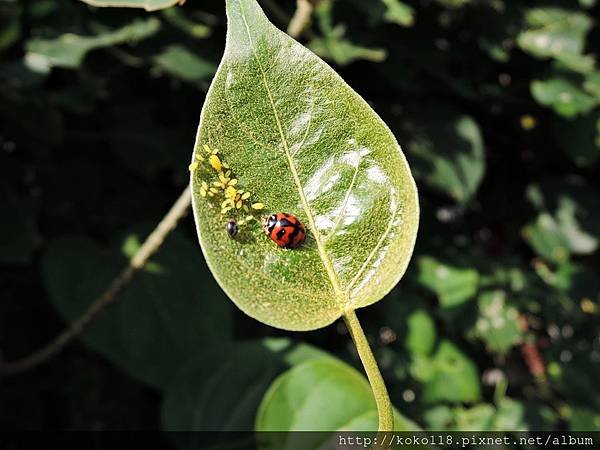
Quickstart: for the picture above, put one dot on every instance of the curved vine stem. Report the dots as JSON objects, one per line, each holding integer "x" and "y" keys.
{"x": 382, "y": 398}
{"x": 301, "y": 18}
{"x": 110, "y": 295}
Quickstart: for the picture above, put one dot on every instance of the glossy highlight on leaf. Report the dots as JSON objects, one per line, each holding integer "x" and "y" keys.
{"x": 299, "y": 139}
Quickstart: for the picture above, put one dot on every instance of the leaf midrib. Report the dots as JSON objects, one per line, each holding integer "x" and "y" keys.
{"x": 341, "y": 296}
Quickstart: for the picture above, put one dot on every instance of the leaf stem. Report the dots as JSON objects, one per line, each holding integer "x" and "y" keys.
{"x": 110, "y": 295}
{"x": 382, "y": 399}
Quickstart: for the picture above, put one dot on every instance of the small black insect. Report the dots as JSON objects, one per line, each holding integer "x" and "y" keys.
{"x": 231, "y": 228}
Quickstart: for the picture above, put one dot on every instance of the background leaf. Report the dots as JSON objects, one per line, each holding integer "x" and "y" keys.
{"x": 148, "y": 5}
{"x": 319, "y": 395}
{"x": 164, "y": 315}
{"x": 69, "y": 50}
{"x": 447, "y": 149}
{"x": 563, "y": 96}
{"x": 224, "y": 394}
{"x": 557, "y": 33}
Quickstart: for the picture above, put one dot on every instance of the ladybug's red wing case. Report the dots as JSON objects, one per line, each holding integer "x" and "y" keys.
{"x": 285, "y": 230}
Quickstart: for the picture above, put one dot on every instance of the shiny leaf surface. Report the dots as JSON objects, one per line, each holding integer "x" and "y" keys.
{"x": 319, "y": 395}
{"x": 300, "y": 140}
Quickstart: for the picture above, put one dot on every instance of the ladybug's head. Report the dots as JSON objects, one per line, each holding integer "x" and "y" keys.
{"x": 269, "y": 223}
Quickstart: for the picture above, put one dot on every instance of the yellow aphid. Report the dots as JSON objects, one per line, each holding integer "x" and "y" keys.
{"x": 209, "y": 150}
{"x": 233, "y": 182}
{"x": 215, "y": 162}
{"x": 193, "y": 166}
{"x": 230, "y": 192}
{"x": 258, "y": 206}
{"x": 245, "y": 195}
{"x": 238, "y": 205}
{"x": 203, "y": 189}
{"x": 199, "y": 157}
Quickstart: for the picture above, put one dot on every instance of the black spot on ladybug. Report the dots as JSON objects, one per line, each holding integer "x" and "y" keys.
{"x": 285, "y": 230}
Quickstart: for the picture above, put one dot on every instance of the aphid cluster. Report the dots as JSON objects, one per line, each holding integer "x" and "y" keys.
{"x": 283, "y": 229}
{"x": 236, "y": 201}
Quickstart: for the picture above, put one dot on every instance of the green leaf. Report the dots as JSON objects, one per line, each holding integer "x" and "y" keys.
{"x": 448, "y": 152}
{"x": 507, "y": 415}
{"x": 68, "y": 50}
{"x": 556, "y": 33}
{"x": 451, "y": 376}
{"x": 334, "y": 46}
{"x": 398, "y": 13}
{"x": 584, "y": 419}
{"x": 181, "y": 63}
{"x": 565, "y": 98}
{"x": 148, "y": 5}
{"x": 319, "y": 395}
{"x": 567, "y": 224}
{"x": 220, "y": 388}
{"x": 592, "y": 84}
{"x": 165, "y": 315}
{"x": 303, "y": 142}
{"x": 421, "y": 333}
{"x": 180, "y": 20}
{"x": 497, "y": 323}
{"x": 452, "y": 285}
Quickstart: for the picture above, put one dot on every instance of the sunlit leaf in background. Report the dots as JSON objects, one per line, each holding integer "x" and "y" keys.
{"x": 420, "y": 339}
{"x": 300, "y": 141}
{"x": 69, "y": 50}
{"x": 563, "y": 96}
{"x": 448, "y": 374}
{"x": 507, "y": 415}
{"x": 399, "y": 13}
{"x": 568, "y": 222}
{"x": 447, "y": 152}
{"x": 180, "y": 18}
{"x": 319, "y": 395}
{"x": 148, "y": 5}
{"x": 182, "y": 63}
{"x": 162, "y": 316}
{"x": 557, "y": 33}
{"x": 452, "y": 285}
{"x": 497, "y": 323}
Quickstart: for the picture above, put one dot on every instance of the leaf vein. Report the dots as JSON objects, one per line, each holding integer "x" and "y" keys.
{"x": 322, "y": 252}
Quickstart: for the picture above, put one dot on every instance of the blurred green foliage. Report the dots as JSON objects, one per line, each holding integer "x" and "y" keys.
{"x": 496, "y": 105}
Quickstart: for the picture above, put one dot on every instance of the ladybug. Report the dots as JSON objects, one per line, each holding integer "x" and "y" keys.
{"x": 285, "y": 230}
{"x": 232, "y": 228}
